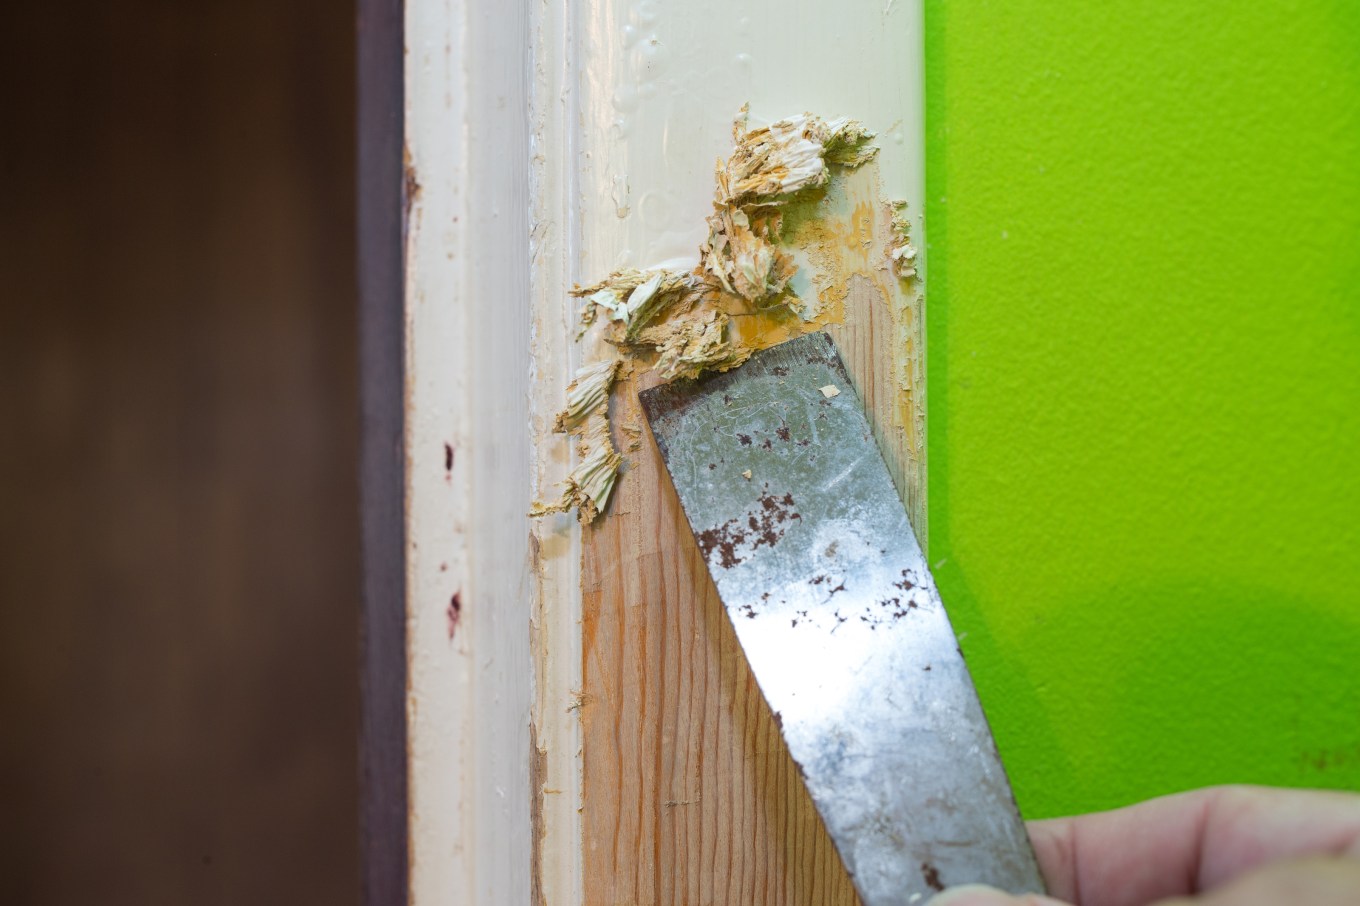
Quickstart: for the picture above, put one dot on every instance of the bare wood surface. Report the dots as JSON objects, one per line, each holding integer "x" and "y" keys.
{"x": 690, "y": 793}
{"x": 690, "y": 796}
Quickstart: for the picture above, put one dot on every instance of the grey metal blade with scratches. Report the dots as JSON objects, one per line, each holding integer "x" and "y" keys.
{"x": 836, "y": 610}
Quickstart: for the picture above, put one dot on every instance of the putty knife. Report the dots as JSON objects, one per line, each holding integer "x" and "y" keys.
{"x": 817, "y": 566}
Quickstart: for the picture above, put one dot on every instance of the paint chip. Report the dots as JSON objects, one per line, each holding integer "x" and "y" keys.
{"x": 830, "y": 390}
{"x": 901, "y": 253}
{"x": 746, "y": 474}
{"x": 586, "y": 418}
{"x": 680, "y": 320}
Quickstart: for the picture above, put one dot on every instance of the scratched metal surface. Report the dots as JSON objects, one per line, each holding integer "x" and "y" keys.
{"x": 836, "y": 610}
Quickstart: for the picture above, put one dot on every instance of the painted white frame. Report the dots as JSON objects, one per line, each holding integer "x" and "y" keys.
{"x": 468, "y": 381}
{"x": 538, "y": 154}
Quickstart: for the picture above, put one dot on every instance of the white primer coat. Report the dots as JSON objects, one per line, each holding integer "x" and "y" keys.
{"x": 661, "y": 82}
{"x": 632, "y": 103}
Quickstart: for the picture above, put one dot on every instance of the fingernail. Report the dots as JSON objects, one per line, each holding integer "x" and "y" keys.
{"x": 971, "y": 895}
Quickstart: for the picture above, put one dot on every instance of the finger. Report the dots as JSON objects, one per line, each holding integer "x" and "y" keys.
{"x": 1325, "y": 881}
{"x": 1182, "y": 844}
{"x": 981, "y": 895}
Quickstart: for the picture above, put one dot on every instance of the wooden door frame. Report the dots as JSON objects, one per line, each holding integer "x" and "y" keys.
{"x": 474, "y": 217}
{"x": 444, "y": 316}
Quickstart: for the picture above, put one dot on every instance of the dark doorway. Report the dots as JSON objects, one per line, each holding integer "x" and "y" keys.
{"x": 179, "y": 582}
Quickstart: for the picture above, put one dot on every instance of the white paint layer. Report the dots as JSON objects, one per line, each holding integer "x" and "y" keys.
{"x": 661, "y": 82}
{"x": 467, "y": 382}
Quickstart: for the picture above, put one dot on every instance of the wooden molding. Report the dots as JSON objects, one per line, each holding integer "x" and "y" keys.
{"x": 675, "y": 787}
{"x": 580, "y": 726}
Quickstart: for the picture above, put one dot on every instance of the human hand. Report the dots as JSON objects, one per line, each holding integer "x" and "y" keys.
{"x": 1221, "y": 846}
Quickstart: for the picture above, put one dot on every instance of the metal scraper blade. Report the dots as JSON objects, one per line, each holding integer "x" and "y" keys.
{"x": 833, "y": 603}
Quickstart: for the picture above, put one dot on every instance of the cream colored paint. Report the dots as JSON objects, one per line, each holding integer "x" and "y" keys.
{"x": 632, "y": 103}
{"x": 467, "y": 385}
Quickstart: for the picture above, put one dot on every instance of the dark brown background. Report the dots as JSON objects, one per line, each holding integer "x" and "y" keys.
{"x": 179, "y": 577}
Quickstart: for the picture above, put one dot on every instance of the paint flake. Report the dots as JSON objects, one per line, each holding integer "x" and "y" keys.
{"x": 830, "y": 391}
{"x": 788, "y": 156}
{"x": 631, "y": 299}
{"x": 901, "y": 253}
{"x": 679, "y": 322}
{"x": 688, "y": 347}
{"x": 586, "y": 418}
{"x": 742, "y": 256}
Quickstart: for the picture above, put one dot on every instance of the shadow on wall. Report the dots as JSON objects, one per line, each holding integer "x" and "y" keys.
{"x": 1174, "y": 680}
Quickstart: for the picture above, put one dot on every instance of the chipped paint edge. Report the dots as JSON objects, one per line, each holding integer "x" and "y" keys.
{"x": 554, "y": 239}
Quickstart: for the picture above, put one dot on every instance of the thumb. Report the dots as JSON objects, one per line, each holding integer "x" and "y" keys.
{"x": 981, "y": 895}
{"x": 1316, "y": 881}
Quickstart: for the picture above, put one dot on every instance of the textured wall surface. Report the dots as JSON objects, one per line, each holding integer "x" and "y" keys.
{"x": 1144, "y": 352}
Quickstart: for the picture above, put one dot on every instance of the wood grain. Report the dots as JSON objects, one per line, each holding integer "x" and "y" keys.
{"x": 690, "y": 796}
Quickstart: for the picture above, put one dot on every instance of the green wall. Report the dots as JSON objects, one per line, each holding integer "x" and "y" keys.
{"x": 1144, "y": 366}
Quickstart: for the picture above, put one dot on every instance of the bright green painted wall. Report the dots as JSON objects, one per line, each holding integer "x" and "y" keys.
{"x": 1144, "y": 366}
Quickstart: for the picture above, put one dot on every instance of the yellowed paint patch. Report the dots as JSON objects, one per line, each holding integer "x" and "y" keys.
{"x": 790, "y": 239}
{"x": 901, "y": 253}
